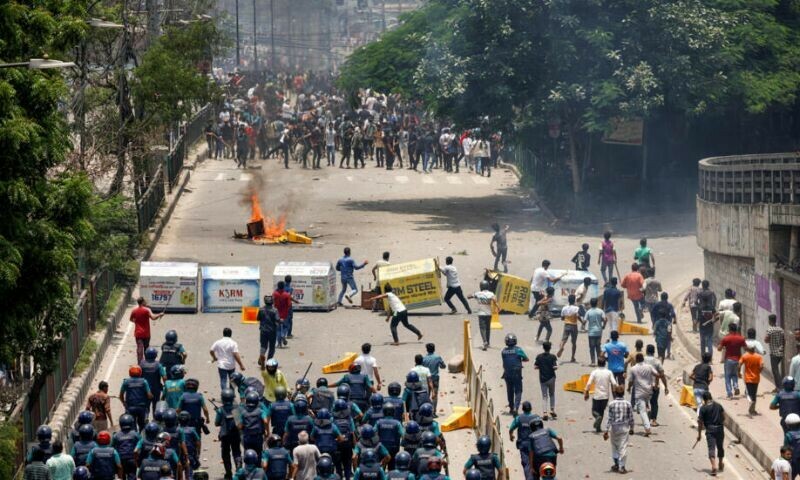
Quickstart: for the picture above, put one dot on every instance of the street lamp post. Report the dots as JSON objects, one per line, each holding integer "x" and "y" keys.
{"x": 255, "y": 40}
{"x": 238, "y": 59}
{"x": 272, "y": 31}
{"x": 39, "y": 64}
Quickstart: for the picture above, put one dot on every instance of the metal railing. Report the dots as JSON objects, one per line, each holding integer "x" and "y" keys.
{"x": 750, "y": 179}
{"x": 485, "y": 420}
{"x": 193, "y": 131}
{"x": 148, "y": 205}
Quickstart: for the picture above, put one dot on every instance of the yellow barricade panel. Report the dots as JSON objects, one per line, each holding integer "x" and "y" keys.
{"x": 460, "y": 418}
{"x": 342, "y": 365}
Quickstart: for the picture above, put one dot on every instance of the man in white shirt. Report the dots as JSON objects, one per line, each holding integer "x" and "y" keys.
{"x": 398, "y": 315}
{"x": 369, "y": 365}
{"x": 225, "y": 352}
{"x": 305, "y": 457}
{"x": 603, "y": 380}
{"x": 423, "y": 372}
{"x": 380, "y": 263}
{"x": 453, "y": 286}
{"x": 541, "y": 280}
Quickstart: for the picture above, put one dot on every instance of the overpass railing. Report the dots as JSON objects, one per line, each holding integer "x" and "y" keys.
{"x": 750, "y": 179}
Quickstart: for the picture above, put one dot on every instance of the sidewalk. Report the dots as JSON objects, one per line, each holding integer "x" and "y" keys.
{"x": 761, "y": 434}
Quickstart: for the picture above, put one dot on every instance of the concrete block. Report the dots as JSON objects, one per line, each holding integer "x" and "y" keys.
{"x": 456, "y": 364}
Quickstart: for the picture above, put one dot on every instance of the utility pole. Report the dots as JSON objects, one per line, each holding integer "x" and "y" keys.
{"x": 238, "y": 58}
{"x": 272, "y": 33}
{"x": 153, "y": 21}
{"x": 255, "y": 40}
{"x": 383, "y": 15}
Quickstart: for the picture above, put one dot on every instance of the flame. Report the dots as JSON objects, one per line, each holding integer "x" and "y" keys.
{"x": 273, "y": 227}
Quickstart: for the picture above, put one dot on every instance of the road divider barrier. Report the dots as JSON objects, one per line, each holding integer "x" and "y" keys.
{"x": 460, "y": 418}
{"x": 687, "y": 397}
{"x": 341, "y": 366}
{"x": 626, "y": 328}
{"x": 578, "y": 385}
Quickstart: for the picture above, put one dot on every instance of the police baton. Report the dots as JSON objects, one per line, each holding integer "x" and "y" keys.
{"x": 307, "y": 370}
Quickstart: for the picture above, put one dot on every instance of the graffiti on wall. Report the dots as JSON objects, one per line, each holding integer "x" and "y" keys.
{"x": 768, "y": 302}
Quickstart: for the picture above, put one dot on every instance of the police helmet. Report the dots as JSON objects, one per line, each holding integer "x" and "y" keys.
{"x": 301, "y": 406}
{"x": 511, "y": 340}
{"x": 86, "y": 433}
{"x": 402, "y": 460}
{"x": 412, "y": 427}
{"x": 792, "y": 419}
{"x": 237, "y": 378}
{"x": 428, "y": 440}
{"x": 343, "y": 391}
{"x": 151, "y": 430}
{"x": 323, "y": 414}
{"x": 376, "y": 400}
{"x": 367, "y": 431}
{"x": 135, "y": 371}
{"x": 537, "y": 423}
{"x": 274, "y": 441}
{"x": 388, "y": 409}
{"x": 252, "y": 399}
{"x": 150, "y": 354}
{"x": 227, "y": 396}
{"x": 158, "y": 415}
{"x": 484, "y": 444}
{"x": 44, "y": 433}
{"x": 395, "y": 389}
{"x": 547, "y": 470}
{"x": 170, "y": 417}
{"x": 322, "y": 382}
{"x": 412, "y": 377}
{"x": 788, "y": 384}
{"x": 250, "y": 457}
{"x": 126, "y": 422}
{"x": 171, "y": 336}
{"x": 302, "y": 384}
{"x": 484, "y": 285}
{"x": 369, "y": 457}
{"x": 473, "y": 474}
{"x": 85, "y": 417}
{"x": 426, "y": 410}
{"x": 325, "y": 465}
{"x": 176, "y": 371}
{"x": 81, "y": 473}
{"x": 192, "y": 384}
{"x": 164, "y": 438}
{"x": 280, "y": 393}
{"x": 339, "y": 405}
{"x": 526, "y": 406}
{"x": 434, "y": 464}
{"x": 184, "y": 418}
{"x": 355, "y": 368}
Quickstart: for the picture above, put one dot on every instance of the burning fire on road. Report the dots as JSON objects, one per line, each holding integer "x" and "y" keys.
{"x": 266, "y": 230}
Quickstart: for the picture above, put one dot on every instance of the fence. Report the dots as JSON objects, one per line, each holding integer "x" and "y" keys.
{"x": 768, "y": 178}
{"x": 46, "y": 391}
{"x": 485, "y": 420}
{"x": 148, "y": 202}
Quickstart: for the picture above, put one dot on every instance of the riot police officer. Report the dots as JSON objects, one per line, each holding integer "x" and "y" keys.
{"x": 321, "y": 396}
{"x": 343, "y": 419}
{"x": 154, "y": 373}
{"x": 230, "y": 439}
{"x": 487, "y": 463}
{"x": 513, "y": 356}
{"x": 412, "y": 439}
{"x": 360, "y": 386}
{"x": 150, "y": 468}
{"x": 252, "y": 423}
{"x": 84, "y": 445}
{"x": 428, "y": 424}
{"x": 297, "y": 423}
{"x": 45, "y": 436}
{"x": 522, "y": 425}
{"x": 415, "y": 394}
{"x": 277, "y": 460}
{"x": 194, "y": 403}
{"x": 375, "y": 411}
{"x": 242, "y": 383}
{"x": 368, "y": 440}
{"x": 434, "y": 470}
{"x": 326, "y": 434}
{"x": 369, "y": 468}
{"x": 135, "y": 394}
{"x": 428, "y": 450}
{"x": 192, "y": 440}
{"x": 172, "y": 352}
{"x": 786, "y": 401}
{"x": 395, "y": 390}
{"x": 170, "y": 427}
{"x": 325, "y": 469}
{"x": 148, "y": 442}
{"x": 402, "y": 464}
{"x": 390, "y": 432}
{"x": 84, "y": 418}
{"x": 542, "y": 448}
{"x": 279, "y": 411}
{"x": 250, "y": 470}
{"x": 124, "y": 442}
{"x": 174, "y": 386}
{"x": 343, "y": 392}
{"x": 103, "y": 461}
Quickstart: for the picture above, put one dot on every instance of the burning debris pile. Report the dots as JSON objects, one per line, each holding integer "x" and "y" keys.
{"x": 267, "y": 230}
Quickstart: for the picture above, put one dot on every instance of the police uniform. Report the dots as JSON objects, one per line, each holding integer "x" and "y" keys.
{"x": 513, "y": 357}
{"x": 251, "y": 420}
{"x": 136, "y": 391}
{"x": 279, "y": 412}
{"x": 278, "y": 460}
{"x": 230, "y": 440}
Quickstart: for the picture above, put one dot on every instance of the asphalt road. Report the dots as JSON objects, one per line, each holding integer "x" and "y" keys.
{"x": 413, "y": 216}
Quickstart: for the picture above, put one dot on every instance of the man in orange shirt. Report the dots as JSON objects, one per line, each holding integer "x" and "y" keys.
{"x": 752, "y": 363}
{"x": 633, "y": 284}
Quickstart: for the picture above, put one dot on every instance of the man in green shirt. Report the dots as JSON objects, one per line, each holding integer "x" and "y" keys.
{"x": 61, "y": 465}
{"x": 644, "y": 255}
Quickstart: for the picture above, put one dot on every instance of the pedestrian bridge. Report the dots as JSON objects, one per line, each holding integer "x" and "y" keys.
{"x": 751, "y": 179}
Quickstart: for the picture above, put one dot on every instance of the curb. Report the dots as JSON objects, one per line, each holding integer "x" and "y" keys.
{"x": 71, "y": 402}
{"x": 542, "y": 207}
{"x": 731, "y": 423}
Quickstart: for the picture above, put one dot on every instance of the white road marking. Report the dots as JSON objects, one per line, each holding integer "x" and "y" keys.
{"x": 220, "y": 176}
{"x": 122, "y": 344}
{"x": 401, "y": 179}
{"x": 428, "y": 180}
{"x": 480, "y": 180}
{"x": 245, "y": 177}
{"x": 454, "y": 180}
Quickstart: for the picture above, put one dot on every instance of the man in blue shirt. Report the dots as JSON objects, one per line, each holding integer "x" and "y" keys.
{"x": 347, "y": 267}
{"x": 434, "y": 363}
{"x": 612, "y": 299}
{"x": 615, "y": 353}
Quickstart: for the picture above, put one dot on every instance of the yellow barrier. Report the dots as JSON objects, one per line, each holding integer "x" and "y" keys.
{"x": 687, "y": 397}
{"x": 460, "y": 418}
{"x": 495, "y": 323}
{"x": 578, "y": 385}
{"x": 626, "y": 328}
{"x": 342, "y": 365}
{"x": 293, "y": 237}
{"x": 249, "y": 314}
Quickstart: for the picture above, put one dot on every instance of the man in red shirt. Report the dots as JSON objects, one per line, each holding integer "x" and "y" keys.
{"x": 633, "y": 283}
{"x": 141, "y": 317}
{"x": 282, "y": 300}
{"x": 733, "y": 344}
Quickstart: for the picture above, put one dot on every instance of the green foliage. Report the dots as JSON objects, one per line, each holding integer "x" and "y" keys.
{"x": 9, "y": 436}
{"x": 45, "y": 214}
{"x": 113, "y": 238}
{"x": 89, "y": 347}
{"x": 169, "y": 83}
